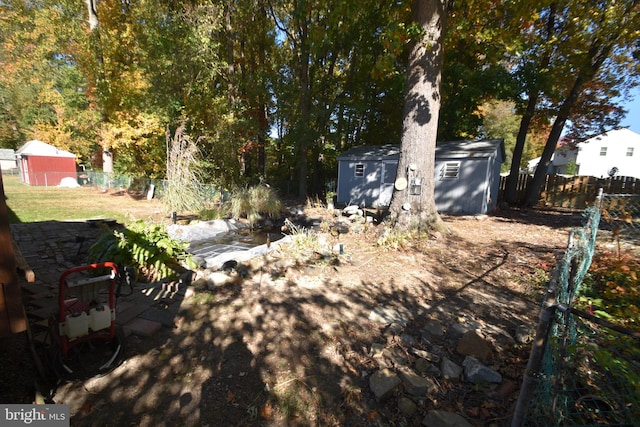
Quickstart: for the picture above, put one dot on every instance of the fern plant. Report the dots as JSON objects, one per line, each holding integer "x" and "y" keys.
{"x": 147, "y": 247}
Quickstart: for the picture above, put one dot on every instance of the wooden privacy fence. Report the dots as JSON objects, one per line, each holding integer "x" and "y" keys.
{"x": 571, "y": 192}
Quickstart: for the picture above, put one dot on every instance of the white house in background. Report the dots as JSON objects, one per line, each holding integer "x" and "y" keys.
{"x": 561, "y": 159}
{"x": 598, "y": 156}
{"x": 618, "y": 149}
{"x": 8, "y": 159}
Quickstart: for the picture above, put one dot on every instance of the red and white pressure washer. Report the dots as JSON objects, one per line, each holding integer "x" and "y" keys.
{"x": 86, "y": 340}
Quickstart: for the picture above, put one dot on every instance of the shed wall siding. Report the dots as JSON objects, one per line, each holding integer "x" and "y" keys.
{"x": 364, "y": 189}
{"x": 475, "y": 191}
{"x": 45, "y": 171}
{"x": 465, "y": 195}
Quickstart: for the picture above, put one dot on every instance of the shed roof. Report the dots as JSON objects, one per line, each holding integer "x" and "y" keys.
{"x": 372, "y": 152}
{"x": 470, "y": 148}
{"x": 450, "y": 149}
{"x": 39, "y": 148}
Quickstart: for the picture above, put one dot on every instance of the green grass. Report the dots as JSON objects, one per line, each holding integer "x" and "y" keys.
{"x": 35, "y": 204}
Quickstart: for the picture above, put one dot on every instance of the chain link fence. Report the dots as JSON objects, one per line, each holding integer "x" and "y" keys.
{"x": 582, "y": 370}
{"x": 621, "y": 215}
{"x": 139, "y": 185}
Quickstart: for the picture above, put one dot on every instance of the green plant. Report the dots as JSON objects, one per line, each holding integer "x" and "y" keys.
{"x": 253, "y": 203}
{"x": 571, "y": 168}
{"x": 303, "y": 240}
{"x": 394, "y": 239}
{"x": 611, "y": 288}
{"x": 330, "y": 197}
{"x": 147, "y": 247}
{"x": 211, "y": 213}
{"x": 540, "y": 278}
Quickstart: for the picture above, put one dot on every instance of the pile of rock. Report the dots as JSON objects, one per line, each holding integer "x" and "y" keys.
{"x": 415, "y": 369}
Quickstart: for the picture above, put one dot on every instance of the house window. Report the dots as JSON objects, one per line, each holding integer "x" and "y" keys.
{"x": 629, "y": 151}
{"x": 450, "y": 170}
{"x": 359, "y": 170}
{"x": 603, "y": 151}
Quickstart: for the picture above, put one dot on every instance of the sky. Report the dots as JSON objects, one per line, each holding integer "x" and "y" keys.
{"x": 633, "y": 112}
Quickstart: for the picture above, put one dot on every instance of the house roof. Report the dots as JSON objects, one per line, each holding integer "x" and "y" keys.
{"x": 7, "y": 154}
{"x": 614, "y": 136}
{"x": 39, "y": 148}
{"x": 449, "y": 149}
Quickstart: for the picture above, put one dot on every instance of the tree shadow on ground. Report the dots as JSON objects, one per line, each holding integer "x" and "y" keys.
{"x": 546, "y": 217}
{"x": 294, "y": 348}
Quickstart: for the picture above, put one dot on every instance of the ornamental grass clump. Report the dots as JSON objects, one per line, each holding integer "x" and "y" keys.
{"x": 254, "y": 203}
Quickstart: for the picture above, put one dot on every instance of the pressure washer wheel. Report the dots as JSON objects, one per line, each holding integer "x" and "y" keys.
{"x": 91, "y": 358}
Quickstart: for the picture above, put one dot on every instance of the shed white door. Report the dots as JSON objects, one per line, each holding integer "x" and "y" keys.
{"x": 387, "y": 178}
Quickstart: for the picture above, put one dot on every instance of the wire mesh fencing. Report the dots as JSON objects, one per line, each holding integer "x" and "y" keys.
{"x": 113, "y": 181}
{"x": 582, "y": 370}
{"x": 621, "y": 215}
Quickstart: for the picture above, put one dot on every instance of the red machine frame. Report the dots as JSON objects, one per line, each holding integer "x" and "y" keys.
{"x": 76, "y": 307}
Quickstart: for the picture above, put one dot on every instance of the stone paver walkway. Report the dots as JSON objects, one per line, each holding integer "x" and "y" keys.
{"x": 50, "y": 248}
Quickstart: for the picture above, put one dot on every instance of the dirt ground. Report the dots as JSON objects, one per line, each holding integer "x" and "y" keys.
{"x": 288, "y": 342}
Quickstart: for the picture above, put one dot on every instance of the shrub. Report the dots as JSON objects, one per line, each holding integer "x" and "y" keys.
{"x": 146, "y": 247}
{"x": 611, "y": 287}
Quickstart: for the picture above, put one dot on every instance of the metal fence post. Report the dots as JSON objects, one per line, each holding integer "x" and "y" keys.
{"x": 537, "y": 351}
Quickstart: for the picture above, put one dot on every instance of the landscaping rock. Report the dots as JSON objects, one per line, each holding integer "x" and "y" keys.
{"x": 432, "y": 357}
{"x": 217, "y": 279}
{"x": 434, "y": 371}
{"x": 433, "y": 328}
{"x": 383, "y": 383}
{"x": 463, "y": 326}
{"x": 498, "y": 334}
{"x": 407, "y": 340}
{"x": 350, "y": 210}
{"x": 407, "y": 407}
{"x": 377, "y": 354}
{"x": 396, "y": 356}
{"x": 477, "y": 373}
{"x": 444, "y": 419}
{"x": 450, "y": 370}
{"x": 415, "y": 385}
{"x": 422, "y": 365}
{"x": 472, "y": 344}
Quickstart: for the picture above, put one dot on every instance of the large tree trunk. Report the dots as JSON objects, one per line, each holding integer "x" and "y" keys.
{"x": 510, "y": 195}
{"x": 534, "y": 92}
{"x": 302, "y": 131}
{"x": 101, "y": 81}
{"x": 411, "y": 205}
{"x": 93, "y": 14}
{"x": 598, "y": 53}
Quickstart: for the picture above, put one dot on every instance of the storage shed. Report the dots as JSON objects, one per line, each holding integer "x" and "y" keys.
{"x": 467, "y": 175}
{"x": 40, "y": 163}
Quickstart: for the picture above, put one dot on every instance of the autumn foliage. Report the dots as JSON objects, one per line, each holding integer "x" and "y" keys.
{"x": 611, "y": 289}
